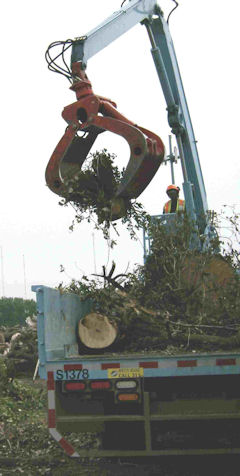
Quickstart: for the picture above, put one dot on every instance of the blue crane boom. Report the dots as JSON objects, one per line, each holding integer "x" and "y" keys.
{"x": 150, "y": 14}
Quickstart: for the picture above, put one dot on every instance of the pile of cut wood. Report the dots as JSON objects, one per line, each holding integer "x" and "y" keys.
{"x": 18, "y": 346}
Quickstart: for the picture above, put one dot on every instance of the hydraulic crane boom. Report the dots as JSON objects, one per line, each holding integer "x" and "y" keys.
{"x": 112, "y": 28}
{"x": 149, "y": 13}
{"x": 146, "y": 148}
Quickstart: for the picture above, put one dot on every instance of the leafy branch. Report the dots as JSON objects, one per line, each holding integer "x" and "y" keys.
{"x": 92, "y": 194}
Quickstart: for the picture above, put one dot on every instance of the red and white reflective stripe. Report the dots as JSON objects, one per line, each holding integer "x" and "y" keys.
{"x": 187, "y": 363}
{"x": 51, "y": 399}
{"x": 55, "y": 434}
{"x": 148, "y": 365}
{"x": 163, "y": 363}
{"x": 72, "y": 367}
{"x": 68, "y": 448}
{"x": 63, "y": 443}
{"x": 226, "y": 362}
{"x": 51, "y": 418}
{"x": 50, "y": 381}
{"x": 110, "y": 365}
{"x": 171, "y": 363}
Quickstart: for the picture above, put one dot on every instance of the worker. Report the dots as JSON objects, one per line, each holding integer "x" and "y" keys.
{"x": 175, "y": 204}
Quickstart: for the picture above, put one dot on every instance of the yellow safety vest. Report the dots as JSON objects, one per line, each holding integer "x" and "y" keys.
{"x": 179, "y": 209}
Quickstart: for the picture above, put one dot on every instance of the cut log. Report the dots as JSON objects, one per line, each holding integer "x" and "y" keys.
{"x": 97, "y": 331}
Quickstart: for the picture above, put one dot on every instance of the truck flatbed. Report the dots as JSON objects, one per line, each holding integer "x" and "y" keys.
{"x": 58, "y": 316}
{"x": 154, "y": 403}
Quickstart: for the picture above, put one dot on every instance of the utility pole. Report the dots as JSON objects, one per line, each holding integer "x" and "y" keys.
{"x": 2, "y": 273}
{"x": 24, "y": 276}
{"x": 94, "y": 253}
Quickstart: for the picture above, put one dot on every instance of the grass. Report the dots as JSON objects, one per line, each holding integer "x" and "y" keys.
{"x": 25, "y": 444}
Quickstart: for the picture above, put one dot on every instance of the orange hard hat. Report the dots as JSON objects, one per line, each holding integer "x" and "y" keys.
{"x": 173, "y": 187}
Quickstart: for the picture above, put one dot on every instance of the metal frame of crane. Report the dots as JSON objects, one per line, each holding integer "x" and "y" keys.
{"x": 149, "y": 13}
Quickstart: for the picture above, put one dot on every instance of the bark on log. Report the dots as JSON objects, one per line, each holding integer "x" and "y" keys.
{"x": 96, "y": 331}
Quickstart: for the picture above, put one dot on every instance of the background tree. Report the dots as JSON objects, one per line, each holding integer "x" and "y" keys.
{"x": 15, "y": 310}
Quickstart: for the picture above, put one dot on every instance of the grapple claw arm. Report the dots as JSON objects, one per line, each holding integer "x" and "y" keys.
{"x": 92, "y": 115}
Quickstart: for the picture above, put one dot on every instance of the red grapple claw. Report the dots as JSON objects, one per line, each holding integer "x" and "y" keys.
{"x": 93, "y": 115}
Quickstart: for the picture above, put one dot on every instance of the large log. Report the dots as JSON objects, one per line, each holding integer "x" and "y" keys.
{"x": 97, "y": 331}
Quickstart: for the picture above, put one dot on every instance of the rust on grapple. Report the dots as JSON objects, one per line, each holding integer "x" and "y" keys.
{"x": 92, "y": 115}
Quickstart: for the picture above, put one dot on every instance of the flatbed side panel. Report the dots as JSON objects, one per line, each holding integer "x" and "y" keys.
{"x": 58, "y": 316}
{"x": 227, "y": 364}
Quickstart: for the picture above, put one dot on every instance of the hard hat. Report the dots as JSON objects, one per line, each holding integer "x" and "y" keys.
{"x": 173, "y": 187}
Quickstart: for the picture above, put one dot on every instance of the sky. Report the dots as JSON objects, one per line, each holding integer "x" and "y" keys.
{"x": 35, "y": 239}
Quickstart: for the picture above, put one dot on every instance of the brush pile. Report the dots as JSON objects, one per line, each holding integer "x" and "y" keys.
{"x": 179, "y": 300}
{"x": 18, "y": 347}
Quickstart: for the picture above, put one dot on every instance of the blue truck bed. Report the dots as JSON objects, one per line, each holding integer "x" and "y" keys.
{"x": 58, "y": 316}
{"x": 144, "y": 404}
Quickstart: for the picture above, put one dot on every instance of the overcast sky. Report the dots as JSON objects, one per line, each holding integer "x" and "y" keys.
{"x": 35, "y": 238}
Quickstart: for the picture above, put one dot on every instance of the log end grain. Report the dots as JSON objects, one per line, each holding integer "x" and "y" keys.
{"x": 96, "y": 331}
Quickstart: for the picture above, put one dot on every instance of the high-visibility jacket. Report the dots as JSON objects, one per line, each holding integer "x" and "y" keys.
{"x": 179, "y": 209}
